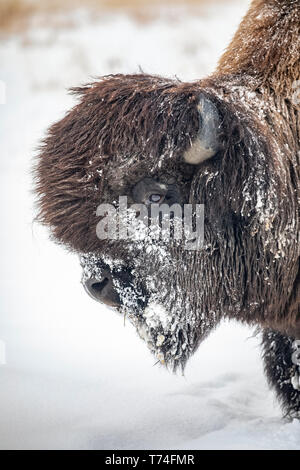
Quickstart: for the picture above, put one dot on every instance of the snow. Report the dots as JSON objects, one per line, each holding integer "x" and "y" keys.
{"x": 155, "y": 315}
{"x": 75, "y": 376}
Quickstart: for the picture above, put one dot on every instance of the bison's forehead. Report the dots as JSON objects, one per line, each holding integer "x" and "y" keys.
{"x": 140, "y": 114}
{"x": 143, "y": 126}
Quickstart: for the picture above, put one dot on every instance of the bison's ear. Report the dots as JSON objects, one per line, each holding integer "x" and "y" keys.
{"x": 207, "y": 142}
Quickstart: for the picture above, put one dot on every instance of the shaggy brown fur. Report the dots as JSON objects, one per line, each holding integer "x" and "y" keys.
{"x": 127, "y": 127}
{"x": 266, "y": 46}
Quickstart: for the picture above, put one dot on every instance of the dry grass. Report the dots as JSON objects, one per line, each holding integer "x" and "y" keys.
{"x": 12, "y": 12}
{"x": 15, "y": 15}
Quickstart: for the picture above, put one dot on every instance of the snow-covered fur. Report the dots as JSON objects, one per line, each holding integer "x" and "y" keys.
{"x": 126, "y": 127}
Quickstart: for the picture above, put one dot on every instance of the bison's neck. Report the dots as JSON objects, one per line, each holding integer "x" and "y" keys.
{"x": 267, "y": 46}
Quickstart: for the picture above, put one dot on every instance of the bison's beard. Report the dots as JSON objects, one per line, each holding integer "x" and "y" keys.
{"x": 156, "y": 301}
{"x": 168, "y": 333}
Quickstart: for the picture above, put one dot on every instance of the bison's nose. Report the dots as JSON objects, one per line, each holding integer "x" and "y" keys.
{"x": 103, "y": 289}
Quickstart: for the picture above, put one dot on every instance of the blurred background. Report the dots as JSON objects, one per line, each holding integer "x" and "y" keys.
{"x": 72, "y": 375}
{"x": 16, "y": 14}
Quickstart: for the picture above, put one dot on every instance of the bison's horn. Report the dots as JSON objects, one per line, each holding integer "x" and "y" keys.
{"x": 206, "y": 144}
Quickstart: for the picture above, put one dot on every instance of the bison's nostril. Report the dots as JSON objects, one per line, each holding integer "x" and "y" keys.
{"x": 103, "y": 289}
{"x": 99, "y": 286}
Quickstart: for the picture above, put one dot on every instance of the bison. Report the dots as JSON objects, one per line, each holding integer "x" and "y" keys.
{"x": 229, "y": 142}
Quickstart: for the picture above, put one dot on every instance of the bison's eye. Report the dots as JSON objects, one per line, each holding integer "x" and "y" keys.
{"x": 149, "y": 191}
{"x": 156, "y": 198}
{"x": 152, "y": 191}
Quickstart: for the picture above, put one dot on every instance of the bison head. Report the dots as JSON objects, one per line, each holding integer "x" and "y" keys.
{"x": 159, "y": 141}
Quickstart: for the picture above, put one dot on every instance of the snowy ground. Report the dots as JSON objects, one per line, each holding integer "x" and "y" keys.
{"x": 74, "y": 376}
